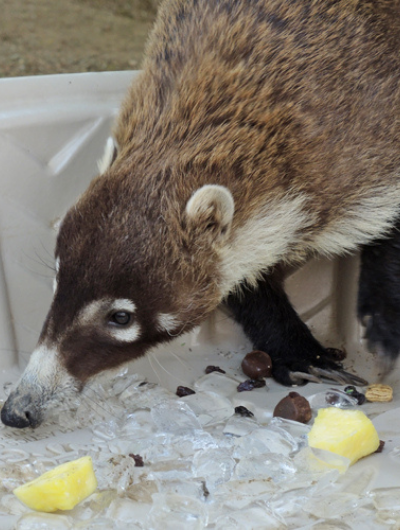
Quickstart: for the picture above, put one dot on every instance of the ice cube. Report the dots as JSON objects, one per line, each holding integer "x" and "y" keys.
{"x": 262, "y": 441}
{"x": 172, "y": 512}
{"x": 332, "y": 398}
{"x": 122, "y": 383}
{"x": 237, "y": 494}
{"x": 178, "y": 469}
{"x": 386, "y": 499}
{"x": 209, "y": 407}
{"x": 174, "y": 417}
{"x": 254, "y": 518}
{"x": 145, "y": 396}
{"x": 11, "y": 505}
{"x": 192, "y": 487}
{"x": 137, "y": 424}
{"x": 102, "y": 523}
{"x": 318, "y": 461}
{"x": 44, "y": 521}
{"x": 107, "y": 430}
{"x": 240, "y": 426}
{"x": 328, "y": 525}
{"x": 294, "y": 431}
{"x": 355, "y": 480}
{"x": 142, "y": 490}
{"x": 333, "y": 505}
{"x": 222, "y": 384}
{"x": 277, "y": 467}
{"x": 123, "y": 510}
{"x": 215, "y": 466}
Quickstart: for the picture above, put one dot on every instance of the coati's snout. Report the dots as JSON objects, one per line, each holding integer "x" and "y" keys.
{"x": 119, "y": 292}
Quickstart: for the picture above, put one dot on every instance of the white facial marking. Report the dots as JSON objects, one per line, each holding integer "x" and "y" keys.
{"x": 129, "y": 334}
{"x": 168, "y": 323}
{"x": 109, "y": 154}
{"x": 99, "y": 308}
{"x": 89, "y": 312}
{"x": 45, "y": 370}
{"x": 123, "y": 304}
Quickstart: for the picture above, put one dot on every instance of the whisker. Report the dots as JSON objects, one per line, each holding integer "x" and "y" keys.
{"x": 185, "y": 364}
{"x": 162, "y": 368}
{"x": 152, "y": 367}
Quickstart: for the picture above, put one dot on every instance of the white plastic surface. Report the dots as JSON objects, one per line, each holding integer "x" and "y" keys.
{"x": 52, "y": 132}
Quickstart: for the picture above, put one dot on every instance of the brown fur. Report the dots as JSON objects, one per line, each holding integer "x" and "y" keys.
{"x": 272, "y": 99}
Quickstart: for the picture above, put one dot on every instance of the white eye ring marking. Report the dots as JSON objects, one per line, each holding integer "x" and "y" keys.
{"x": 167, "y": 322}
{"x": 123, "y": 304}
{"x": 129, "y": 334}
{"x": 90, "y": 313}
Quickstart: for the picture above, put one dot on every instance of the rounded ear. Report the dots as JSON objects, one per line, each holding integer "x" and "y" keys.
{"x": 109, "y": 155}
{"x": 209, "y": 211}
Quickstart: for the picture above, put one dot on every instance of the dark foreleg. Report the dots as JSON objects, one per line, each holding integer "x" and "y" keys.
{"x": 272, "y": 324}
{"x": 379, "y": 297}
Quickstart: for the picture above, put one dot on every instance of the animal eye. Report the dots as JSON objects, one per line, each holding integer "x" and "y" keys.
{"x": 121, "y": 318}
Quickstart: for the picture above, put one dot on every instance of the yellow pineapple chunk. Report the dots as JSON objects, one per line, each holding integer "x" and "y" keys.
{"x": 61, "y": 488}
{"x": 347, "y": 433}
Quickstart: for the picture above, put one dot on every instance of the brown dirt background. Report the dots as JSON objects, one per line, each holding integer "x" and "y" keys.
{"x": 57, "y": 36}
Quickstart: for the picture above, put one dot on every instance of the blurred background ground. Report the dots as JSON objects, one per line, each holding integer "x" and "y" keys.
{"x": 57, "y": 36}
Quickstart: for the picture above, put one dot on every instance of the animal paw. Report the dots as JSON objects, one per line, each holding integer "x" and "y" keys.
{"x": 383, "y": 336}
{"x": 324, "y": 366}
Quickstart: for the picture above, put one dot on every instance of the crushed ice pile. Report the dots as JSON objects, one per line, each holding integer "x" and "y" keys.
{"x": 204, "y": 467}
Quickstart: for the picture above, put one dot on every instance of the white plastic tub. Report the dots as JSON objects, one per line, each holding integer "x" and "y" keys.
{"x": 52, "y": 132}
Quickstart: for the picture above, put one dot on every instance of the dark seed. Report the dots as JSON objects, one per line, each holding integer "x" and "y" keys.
{"x": 206, "y": 493}
{"x": 243, "y": 411}
{"x": 182, "y": 391}
{"x": 352, "y": 391}
{"x": 257, "y": 364}
{"x": 381, "y": 446}
{"x": 294, "y": 407}
{"x": 138, "y": 460}
{"x": 360, "y": 398}
{"x": 211, "y": 368}
{"x": 250, "y": 384}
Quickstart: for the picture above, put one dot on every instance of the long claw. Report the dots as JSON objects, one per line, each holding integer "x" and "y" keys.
{"x": 298, "y": 377}
{"x": 354, "y": 379}
{"x": 341, "y": 377}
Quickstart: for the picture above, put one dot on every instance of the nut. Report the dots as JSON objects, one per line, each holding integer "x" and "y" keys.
{"x": 379, "y": 393}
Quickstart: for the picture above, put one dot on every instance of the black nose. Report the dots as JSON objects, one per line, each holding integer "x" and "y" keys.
{"x": 19, "y": 416}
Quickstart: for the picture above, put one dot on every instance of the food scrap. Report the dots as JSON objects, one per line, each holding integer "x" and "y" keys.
{"x": 250, "y": 384}
{"x": 212, "y": 368}
{"x": 379, "y": 393}
{"x": 353, "y": 392}
{"x": 257, "y": 364}
{"x": 183, "y": 391}
{"x": 294, "y": 407}
{"x": 138, "y": 460}
{"x": 243, "y": 411}
{"x": 61, "y": 488}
